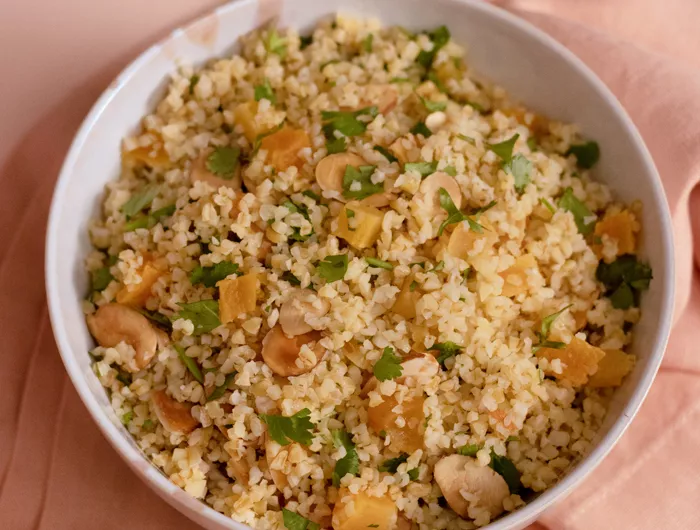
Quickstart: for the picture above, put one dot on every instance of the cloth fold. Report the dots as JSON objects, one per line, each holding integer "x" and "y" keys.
{"x": 56, "y": 470}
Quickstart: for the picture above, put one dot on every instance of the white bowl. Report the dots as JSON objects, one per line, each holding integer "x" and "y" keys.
{"x": 532, "y": 66}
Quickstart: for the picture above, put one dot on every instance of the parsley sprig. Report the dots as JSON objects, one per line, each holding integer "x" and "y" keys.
{"x": 209, "y": 276}
{"x": 518, "y": 166}
{"x": 294, "y": 521}
{"x": 223, "y": 161}
{"x": 624, "y": 280}
{"x": 265, "y": 91}
{"x": 391, "y": 465}
{"x": 455, "y": 215}
{"x": 584, "y": 218}
{"x": 545, "y": 329}
{"x": 447, "y": 349}
{"x": 388, "y": 366}
{"x": 361, "y": 178}
{"x": 287, "y": 429}
{"x": 203, "y": 314}
{"x": 350, "y": 463}
{"x": 333, "y": 268}
{"x": 346, "y": 122}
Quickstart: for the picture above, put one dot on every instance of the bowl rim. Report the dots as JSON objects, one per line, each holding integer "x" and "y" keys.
{"x": 160, "y": 483}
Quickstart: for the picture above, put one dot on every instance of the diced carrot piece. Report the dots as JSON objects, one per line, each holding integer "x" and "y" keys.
{"x": 621, "y": 227}
{"x": 137, "y": 294}
{"x": 579, "y": 359}
{"x": 237, "y": 296}
{"x": 515, "y": 277}
{"x": 283, "y": 147}
{"x": 402, "y": 439}
{"x": 612, "y": 369}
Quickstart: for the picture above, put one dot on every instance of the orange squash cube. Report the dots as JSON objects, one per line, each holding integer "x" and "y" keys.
{"x": 463, "y": 239}
{"x": 404, "y": 439}
{"x": 621, "y": 227}
{"x": 515, "y": 277}
{"x": 580, "y": 360}
{"x": 237, "y": 296}
{"x": 612, "y": 369}
{"x": 283, "y": 147}
{"x": 365, "y": 227}
{"x": 137, "y": 294}
{"x": 365, "y": 512}
{"x": 405, "y": 304}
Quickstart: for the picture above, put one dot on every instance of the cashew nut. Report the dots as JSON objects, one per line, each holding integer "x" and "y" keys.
{"x": 199, "y": 172}
{"x": 330, "y": 170}
{"x": 115, "y": 323}
{"x": 378, "y": 200}
{"x": 294, "y": 311}
{"x": 284, "y": 356}
{"x": 173, "y": 415}
{"x": 457, "y": 473}
{"x": 429, "y": 191}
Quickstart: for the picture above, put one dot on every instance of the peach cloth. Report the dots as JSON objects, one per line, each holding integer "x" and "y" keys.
{"x": 56, "y": 470}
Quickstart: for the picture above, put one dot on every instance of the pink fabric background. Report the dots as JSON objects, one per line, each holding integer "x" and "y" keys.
{"x": 56, "y": 470}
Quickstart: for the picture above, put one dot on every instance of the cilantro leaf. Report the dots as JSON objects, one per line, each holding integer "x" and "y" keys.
{"x": 346, "y": 122}
{"x": 190, "y": 364}
{"x": 311, "y": 195}
{"x": 392, "y": 466}
{"x": 337, "y": 145}
{"x": 454, "y": 215}
{"x": 520, "y": 168}
{"x": 150, "y": 220}
{"x": 367, "y": 43}
{"x": 532, "y": 143}
{"x": 127, "y": 417}
{"x": 585, "y": 220}
{"x": 209, "y": 276}
{"x": 451, "y": 171}
{"x": 622, "y": 297}
{"x": 193, "y": 83}
{"x": 447, "y": 349}
{"x": 284, "y": 430}
{"x": 587, "y": 154}
{"x": 624, "y": 280}
{"x": 440, "y": 37}
{"x": 544, "y": 202}
{"x": 350, "y": 463}
{"x": 504, "y": 467}
{"x": 363, "y": 176}
{"x": 388, "y": 366}
{"x": 156, "y": 317}
{"x": 264, "y": 91}
{"x": 260, "y": 137}
{"x": 422, "y": 168}
{"x": 276, "y": 44}
{"x": 374, "y": 262}
{"x": 139, "y": 201}
{"x": 294, "y": 521}
{"x": 219, "y": 391}
{"x": 386, "y": 153}
{"x": 421, "y": 128}
{"x": 333, "y": 268}
{"x": 504, "y": 149}
{"x": 545, "y": 329}
{"x": 101, "y": 278}
{"x": 433, "y": 106}
{"x": 289, "y": 277}
{"x": 469, "y": 450}
{"x": 203, "y": 314}
{"x": 223, "y": 161}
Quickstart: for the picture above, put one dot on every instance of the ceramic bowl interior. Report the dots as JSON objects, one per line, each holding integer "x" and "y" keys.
{"x": 531, "y": 66}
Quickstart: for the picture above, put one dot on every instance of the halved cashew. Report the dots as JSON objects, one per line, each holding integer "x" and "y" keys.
{"x": 199, "y": 172}
{"x": 457, "y": 473}
{"x": 384, "y": 97}
{"x": 429, "y": 191}
{"x": 173, "y": 415}
{"x": 284, "y": 354}
{"x": 115, "y": 323}
{"x": 294, "y": 311}
{"x": 330, "y": 170}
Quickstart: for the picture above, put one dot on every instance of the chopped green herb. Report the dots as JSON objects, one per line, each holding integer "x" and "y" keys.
{"x": 433, "y": 106}
{"x": 454, "y": 215}
{"x": 333, "y": 268}
{"x": 504, "y": 149}
{"x": 264, "y": 91}
{"x": 469, "y": 450}
{"x": 276, "y": 44}
{"x": 512, "y": 439}
{"x": 624, "y": 280}
{"x": 504, "y": 467}
{"x": 413, "y": 286}
{"x": 476, "y": 106}
{"x": 374, "y": 262}
{"x": 585, "y": 219}
{"x": 150, "y": 220}
{"x": 386, "y": 153}
{"x": 545, "y": 329}
{"x": 294, "y": 521}
{"x": 219, "y": 391}
{"x": 367, "y": 43}
{"x": 305, "y": 41}
{"x": 532, "y": 143}
{"x": 296, "y": 428}
{"x": 289, "y": 277}
{"x": 544, "y": 202}
{"x": 447, "y": 349}
{"x": 357, "y": 182}
{"x": 388, "y": 366}
{"x": 440, "y": 265}
{"x": 392, "y": 466}
{"x": 587, "y": 154}
{"x": 311, "y": 195}
{"x": 399, "y": 80}
{"x": 101, "y": 278}
{"x": 465, "y": 273}
{"x": 346, "y": 122}
{"x": 350, "y": 463}
{"x": 422, "y": 128}
{"x": 193, "y": 83}
{"x": 520, "y": 168}
{"x": 139, "y": 201}
{"x": 466, "y": 138}
{"x": 337, "y": 145}
{"x": 422, "y": 168}
{"x": 127, "y": 417}
{"x": 156, "y": 317}
{"x": 451, "y": 171}
{"x": 332, "y": 61}
{"x": 203, "y": 314}
{"x": 209, "y": 276}
{"x": 349, "y": 213}
{"x": 124, "y": 377}
{"x": 190, "y": 364}
{"x": 223, "y": 161}
{"x": 375, "y": 525}
{"x": 440, "y": 37}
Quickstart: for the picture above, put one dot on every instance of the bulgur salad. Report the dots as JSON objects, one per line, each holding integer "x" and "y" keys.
{"x": 342, "y": 282}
